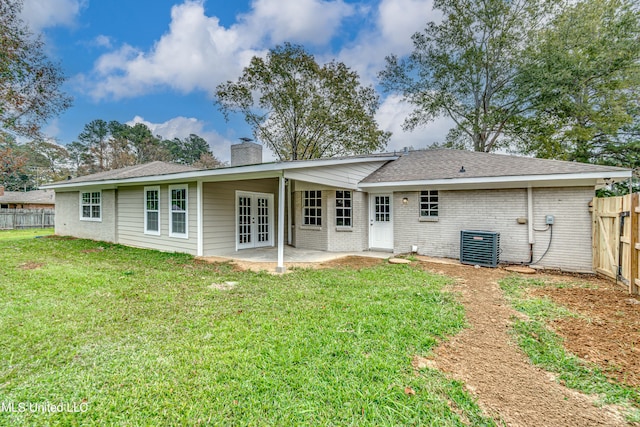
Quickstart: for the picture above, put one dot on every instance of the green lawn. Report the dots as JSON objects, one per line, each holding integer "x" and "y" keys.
{"x": 24, "y": 233}
{"x": 148, "y": 338}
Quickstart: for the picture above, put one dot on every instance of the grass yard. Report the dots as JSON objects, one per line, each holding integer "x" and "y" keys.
{"x": 147, "y": 338}
{"x": 24, "y": 233}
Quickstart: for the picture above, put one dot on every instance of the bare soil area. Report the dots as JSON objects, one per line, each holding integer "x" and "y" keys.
{"x": 607, "y": 332}
{"x": 485, "y": 357}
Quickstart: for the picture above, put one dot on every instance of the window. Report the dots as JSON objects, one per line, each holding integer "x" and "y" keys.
{"x": 429, "y": 204}
{"x": 152, "y": 210}
{"x": 312, "y": 208}
{"x": 91, "y": 206}
{"x": 343, "y": 208}
{"x": 178, "y": 226}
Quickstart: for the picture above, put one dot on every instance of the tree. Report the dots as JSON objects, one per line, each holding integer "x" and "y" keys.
{"x": 95, "y": 136}
{"x": 208, "y": 161}
{"x": 584, "y": 74}
{"x": 47, "y": 162}
{"x": 30, "y": 84}
{"x": 189, "y": 150}
{"x": 302, "y": 110}
{"x": 465, "y": 68}
{"x": 13, "y": 161}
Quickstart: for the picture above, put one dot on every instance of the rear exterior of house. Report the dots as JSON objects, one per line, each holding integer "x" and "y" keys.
{"x": 419, "y": 201}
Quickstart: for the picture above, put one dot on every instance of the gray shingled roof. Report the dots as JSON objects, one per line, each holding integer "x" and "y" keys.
{"x": 425, "y": 165}
{"x": 36, "y": 197}
{"x": 147, "y": 169}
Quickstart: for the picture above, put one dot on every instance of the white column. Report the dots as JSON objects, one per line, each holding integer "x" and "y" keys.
{"x": 200, "y": 248}
{"x": 289, "y": 193}
{"x": 281, "y": 223}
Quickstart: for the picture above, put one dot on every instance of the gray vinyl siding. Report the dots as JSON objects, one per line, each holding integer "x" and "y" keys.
{"x": 68, "y": 223}
{"x": 131, "y": 221}
{"x": 498, "y": 210}
{"x": 338, "y": 176}
{"x": 219, "y": 212}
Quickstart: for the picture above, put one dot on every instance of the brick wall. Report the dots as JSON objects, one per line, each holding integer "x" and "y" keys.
{"x": 498, "y": 210}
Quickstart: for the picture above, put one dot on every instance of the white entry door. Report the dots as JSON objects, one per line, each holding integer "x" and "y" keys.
{"x": 381, "y": 221}
{"x": 254, "y": 220}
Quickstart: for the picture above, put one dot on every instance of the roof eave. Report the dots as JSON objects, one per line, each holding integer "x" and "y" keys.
{"x": 262, "y": 170}
{"x": 589, "y": 178}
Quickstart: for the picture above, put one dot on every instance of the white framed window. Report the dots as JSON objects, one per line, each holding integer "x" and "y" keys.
{"x": 178, "y": 208}
{"x": 429, "y": 204}
{"x": 312, "y": 208}
{"x": 152, "y": 210}
{"x": 91, "y": 205}
{"x": 343, "y": 208}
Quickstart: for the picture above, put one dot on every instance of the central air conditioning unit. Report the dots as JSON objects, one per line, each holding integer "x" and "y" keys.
{"x": 480, "y": 248}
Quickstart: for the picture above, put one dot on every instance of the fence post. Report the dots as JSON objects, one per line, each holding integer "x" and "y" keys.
{"x": 633, "y": 246}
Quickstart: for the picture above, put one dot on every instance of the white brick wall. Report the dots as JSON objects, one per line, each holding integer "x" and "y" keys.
{"x": 498, "y": 210}
{"x": 68, "y": 221}
{"x": 328, "y": 237}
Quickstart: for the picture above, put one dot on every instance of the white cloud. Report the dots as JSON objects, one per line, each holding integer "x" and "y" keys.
{"x": 198, "y": 53}
{"x": 182, "y": 127}
{"x": 395, "y": 22}
{"x": 390, "y": 117}
{"x": 50, "y": 13}
{"x": 103, "y": 41}
{"x": 302, "y": 21}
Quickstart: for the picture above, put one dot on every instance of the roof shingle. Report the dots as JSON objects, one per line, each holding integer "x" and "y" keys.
{"x": 147, "y": 169}
{"x": 432, "y": 164}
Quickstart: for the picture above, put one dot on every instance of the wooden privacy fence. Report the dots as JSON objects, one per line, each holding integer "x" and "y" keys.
{"x": 26, "y": 218}
{"x": 616, "y": 243}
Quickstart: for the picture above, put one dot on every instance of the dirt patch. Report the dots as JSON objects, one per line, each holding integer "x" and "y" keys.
{"x": 607, "y": 332}
{"x": 93, "y": 250}
{"x": 352, "y": 262}
{"x": 494, "y": 369}
{"x": 31, "y": 265}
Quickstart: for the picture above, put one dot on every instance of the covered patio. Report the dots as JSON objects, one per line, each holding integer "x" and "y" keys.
{"x": 264, "y": 258}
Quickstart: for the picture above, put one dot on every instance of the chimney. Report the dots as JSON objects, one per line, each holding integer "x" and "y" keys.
{"x": 1, "y": 190}
{"x": 246, "y": 153}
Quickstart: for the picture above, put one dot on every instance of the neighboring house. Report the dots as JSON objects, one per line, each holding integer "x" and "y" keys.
{"x": 417, "y": 200}
{"x": 36, "y": 199}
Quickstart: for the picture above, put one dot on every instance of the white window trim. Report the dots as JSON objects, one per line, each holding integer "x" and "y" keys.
{"x": 312, "y": 226}
{"x": 82, "y": 218}
{"x": 350, "y": 198}
{"x": 437, "y": 209}
{"x": 184, "y": 235}
{"x": 144, "y": 199}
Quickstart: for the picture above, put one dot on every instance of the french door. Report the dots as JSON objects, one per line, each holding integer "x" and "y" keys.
{"x": 254, "y": 220}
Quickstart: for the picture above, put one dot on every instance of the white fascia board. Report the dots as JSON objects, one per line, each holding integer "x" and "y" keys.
{"x": 263, "y": 170}
{"x": 497, "y": 181}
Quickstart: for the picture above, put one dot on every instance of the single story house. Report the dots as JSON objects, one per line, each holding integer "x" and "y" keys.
{"x": 414, "y": 201}
{"x": 36, "y": 199}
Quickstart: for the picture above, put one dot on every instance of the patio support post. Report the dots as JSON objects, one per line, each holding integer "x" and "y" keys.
{"x": 200, "y": 248}
{"x": 281, "y": 222}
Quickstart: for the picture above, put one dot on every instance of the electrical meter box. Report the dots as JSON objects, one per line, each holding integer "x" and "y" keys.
{"x": 549, "y": 219}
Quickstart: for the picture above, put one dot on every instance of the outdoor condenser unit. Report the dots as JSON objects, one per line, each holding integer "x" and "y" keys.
{"x": 480, "y": 248}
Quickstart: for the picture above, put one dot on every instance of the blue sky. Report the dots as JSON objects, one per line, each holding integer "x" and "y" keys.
{"x": 159, "y": 61}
